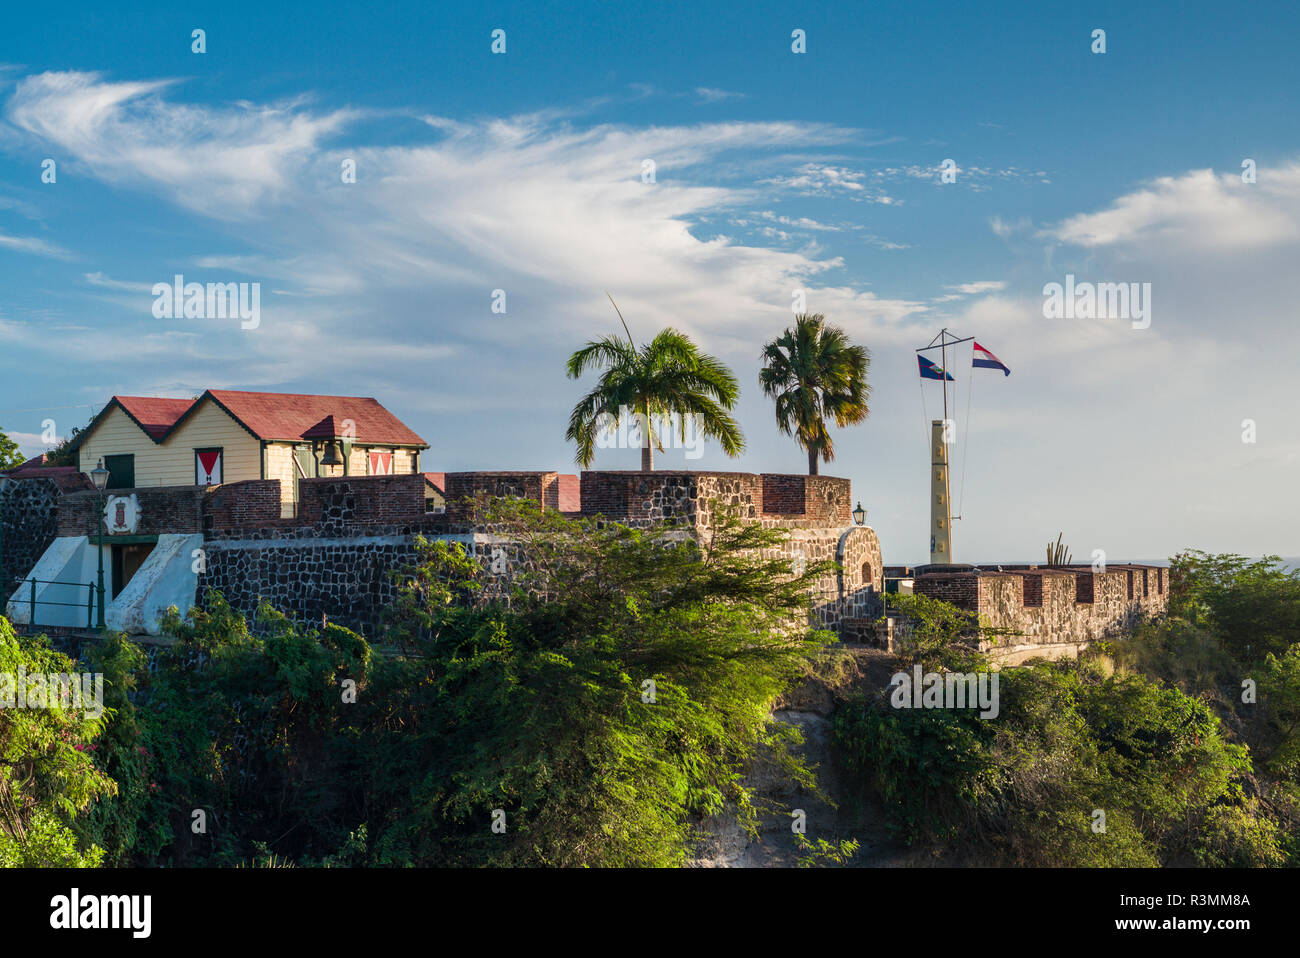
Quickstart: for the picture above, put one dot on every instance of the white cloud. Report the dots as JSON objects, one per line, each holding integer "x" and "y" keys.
{"x": 552, "y": 214}
{"x": 30, "y": 244}
{"x": 983, "y": 286}
{"x": 820, "y": 179}
{"x": 971, "y": 289}
{"x": 225, "y": 163}
{"x": 978, "y": 178}
{"x": 1004, "y": 229}
{"x": 713, "y": 95}
{"x": 99, "y": 279}
{"x": 1199, "y": 209}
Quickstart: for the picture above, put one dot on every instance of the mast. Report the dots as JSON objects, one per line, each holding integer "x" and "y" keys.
{"x": 940, "y": 496}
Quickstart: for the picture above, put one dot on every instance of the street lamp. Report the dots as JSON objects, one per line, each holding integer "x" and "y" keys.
{"x": 859, "y": 515}
{"x": 99, "y": 476}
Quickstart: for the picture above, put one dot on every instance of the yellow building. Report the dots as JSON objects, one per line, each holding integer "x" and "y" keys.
{"x": 230, "y": 436}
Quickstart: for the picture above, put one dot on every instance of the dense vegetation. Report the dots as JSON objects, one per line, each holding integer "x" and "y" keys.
{"x": 593, "y": 715}
{"x": 1185, "y": 737}
{"x": 612, "y": 701}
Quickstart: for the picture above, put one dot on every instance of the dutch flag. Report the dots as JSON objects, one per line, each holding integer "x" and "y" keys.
{"x": 985, "y": 359}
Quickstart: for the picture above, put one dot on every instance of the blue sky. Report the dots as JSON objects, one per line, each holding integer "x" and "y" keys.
{"x": 774, "y": 171}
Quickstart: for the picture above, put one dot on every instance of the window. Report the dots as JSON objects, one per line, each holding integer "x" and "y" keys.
{"x": 208, "y": 466}
{"x": 867, "y": 579}
{"x": 121, "y": 471}
{"x": 306, "y": 461}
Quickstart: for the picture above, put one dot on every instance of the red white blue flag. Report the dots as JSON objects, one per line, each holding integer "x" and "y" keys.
{"x": 986, "y": 360}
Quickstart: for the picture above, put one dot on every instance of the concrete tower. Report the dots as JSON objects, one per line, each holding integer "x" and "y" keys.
{"x": 940, "y": 504}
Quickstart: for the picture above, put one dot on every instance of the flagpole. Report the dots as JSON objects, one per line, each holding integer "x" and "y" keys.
{"x": 941, "y": 482}
{"x": 943, "y": 364}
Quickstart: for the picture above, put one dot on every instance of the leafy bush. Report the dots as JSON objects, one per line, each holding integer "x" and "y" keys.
{"x": 47, "y": 776}
{"x": 1253, "y": 606}
{"x": 605, "y": 705}
{"x": 537, "y": 705}
{"x": 1070, "y": 740}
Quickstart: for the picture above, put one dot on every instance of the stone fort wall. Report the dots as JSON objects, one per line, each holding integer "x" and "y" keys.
{"x": 29, "y": 513}
{"x": 1056, "y": 611}
{"x": 336, "y": 556}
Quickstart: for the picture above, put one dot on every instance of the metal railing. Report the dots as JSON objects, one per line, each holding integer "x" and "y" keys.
{"x": 33, "y": 602}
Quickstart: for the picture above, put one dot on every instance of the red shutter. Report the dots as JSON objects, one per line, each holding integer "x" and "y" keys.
{"x": 208, "y": 467}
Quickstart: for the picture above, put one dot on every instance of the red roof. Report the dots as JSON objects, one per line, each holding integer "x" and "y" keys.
{"x": 438, "y": 480}
{"x": 65, "y": 477}
{"x": 280, "y": 416}
{"x": 154, "y": 415}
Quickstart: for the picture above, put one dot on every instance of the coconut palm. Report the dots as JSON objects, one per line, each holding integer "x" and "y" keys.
{"x": 667, "y": 375}
{"x": 813, "y": 373}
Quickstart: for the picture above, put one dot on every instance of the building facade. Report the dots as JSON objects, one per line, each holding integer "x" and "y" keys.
{"x": 227, "y": 436}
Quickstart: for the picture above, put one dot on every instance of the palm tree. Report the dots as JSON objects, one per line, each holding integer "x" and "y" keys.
{"x": 667, "y": 375}
{"x": 812, "y": 372}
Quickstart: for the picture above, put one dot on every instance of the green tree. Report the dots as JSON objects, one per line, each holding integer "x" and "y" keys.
{"x": 1252, "y": 605}
{"x": 10, "y": 457}
{"x": 47, "y": 775}
{"x": 813, "y": 373}
{"x": 1279, "y": 693}
{"x": 614, "y": 698}
{"x": 669, "y": 375}
{"x": 1069, "y": 741}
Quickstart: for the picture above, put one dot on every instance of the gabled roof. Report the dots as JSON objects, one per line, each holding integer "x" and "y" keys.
{"x": 155, "y": 416}
{"x": 295, "y": 416}
{"x": 281, "y": 417}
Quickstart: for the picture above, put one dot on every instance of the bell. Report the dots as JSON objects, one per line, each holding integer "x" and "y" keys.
{"x": 331, "y": 457}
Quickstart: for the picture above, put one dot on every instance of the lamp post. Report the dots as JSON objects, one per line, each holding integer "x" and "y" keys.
{"x": 99, "y": 476}
{"x": 859, "y": 515}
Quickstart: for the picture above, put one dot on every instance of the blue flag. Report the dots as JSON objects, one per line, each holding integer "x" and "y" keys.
{"x": 930, "y": 371}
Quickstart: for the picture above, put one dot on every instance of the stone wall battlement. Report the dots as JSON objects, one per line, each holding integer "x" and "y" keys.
{"x": 1067, "y": 606}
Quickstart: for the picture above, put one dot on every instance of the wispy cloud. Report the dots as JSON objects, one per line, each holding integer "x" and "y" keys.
{"x": 821, "y": 179}
{"x": 30, "y": 244}
{"x": 551, "y": 213}
{"x": 963, "y": 290}
{"x": 99, "y": 279}
{"x": 713, "y": 95}
{"x": 224, "y": 162}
